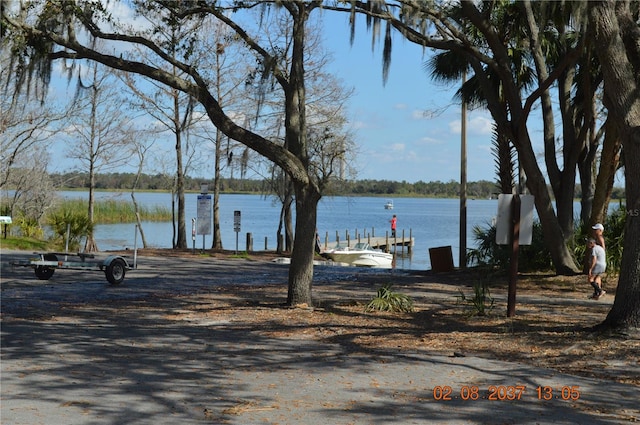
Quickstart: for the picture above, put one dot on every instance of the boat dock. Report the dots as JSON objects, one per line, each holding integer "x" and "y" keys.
{"x": 403, "y": 241}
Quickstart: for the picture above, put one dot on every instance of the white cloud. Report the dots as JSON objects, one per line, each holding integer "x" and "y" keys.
{"x": 477, "y": 125}
{"x": 126, "y": 17}
{"x": 397, "y": 147}
{"x": 480, "y": 125}
{"x": 424, "y": 141}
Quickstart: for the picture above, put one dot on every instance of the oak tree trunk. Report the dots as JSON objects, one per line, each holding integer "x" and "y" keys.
{"x": 617, "y": 38}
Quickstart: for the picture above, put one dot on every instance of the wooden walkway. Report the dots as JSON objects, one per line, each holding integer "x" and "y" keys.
{"x": 401, "y": 243}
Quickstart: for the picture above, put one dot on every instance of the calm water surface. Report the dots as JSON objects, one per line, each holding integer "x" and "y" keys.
{"x": 431, "y": 222}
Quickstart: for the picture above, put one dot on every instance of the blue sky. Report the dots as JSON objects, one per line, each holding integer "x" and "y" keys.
{"x": 396, "y": 138}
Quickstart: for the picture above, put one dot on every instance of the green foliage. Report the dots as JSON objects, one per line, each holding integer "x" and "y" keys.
{"x": 536, "y": 257}
{"x": 29, "y": 227}
{"x": 614, "y": 237}
{"x": 480, "y": 304}
{"x": 504, "y": 154}
{"x": 114, "y": 211}
{"x": 388, "y": 300}
{"x": 488, "y": 253}
{"x": 482, "y": 189}
{"x": 25, "y": 244}
{"x": 76, "y": 223}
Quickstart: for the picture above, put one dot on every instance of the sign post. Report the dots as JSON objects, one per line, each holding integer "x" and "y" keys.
{"x": 514, "y": 228}
{"x": 236, "y": 226}
{"x": 204, "y": 213}
{"x": 193, "y": 233}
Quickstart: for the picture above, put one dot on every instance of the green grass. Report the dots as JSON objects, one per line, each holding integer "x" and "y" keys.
{"x": 113, "y": 211}
{"x": 24, "y": 244}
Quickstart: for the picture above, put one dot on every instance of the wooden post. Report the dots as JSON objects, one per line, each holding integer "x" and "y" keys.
{"x": 515, "y": 248}
{"x": 249, "y": 242}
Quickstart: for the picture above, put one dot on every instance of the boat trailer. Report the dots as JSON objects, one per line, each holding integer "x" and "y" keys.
{"x": 113, "y": 266}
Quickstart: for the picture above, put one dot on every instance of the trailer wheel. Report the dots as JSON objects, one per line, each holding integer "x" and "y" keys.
{"x": 115, "y": 271}
{"x": 45, "y": 272}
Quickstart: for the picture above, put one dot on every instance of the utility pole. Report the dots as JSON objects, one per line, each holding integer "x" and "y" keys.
{"x": 462, "y": 262}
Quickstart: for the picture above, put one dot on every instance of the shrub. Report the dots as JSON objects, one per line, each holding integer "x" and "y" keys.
{"x": 388, "y": 300}
{"x": 77, "y": 224}
{"x": 30, "y": 228}
{"x": 532, "y": 257}
{"x": 481, "y": 303}
{"x": 536, "y": 257}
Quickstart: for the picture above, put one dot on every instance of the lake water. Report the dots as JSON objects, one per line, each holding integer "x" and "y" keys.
{"x": 432, "y": 222}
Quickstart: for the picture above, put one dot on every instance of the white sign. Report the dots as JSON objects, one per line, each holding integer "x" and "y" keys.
{"x": 236, "y": 221}
{"x": 204, "y": 215}
{"x": 503, "y": 224}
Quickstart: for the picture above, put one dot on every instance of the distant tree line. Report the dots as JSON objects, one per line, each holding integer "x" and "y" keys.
{"x": 482, "y": 189}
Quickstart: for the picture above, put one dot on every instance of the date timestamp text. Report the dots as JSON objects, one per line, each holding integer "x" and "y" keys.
{"x": 505, "y": 393}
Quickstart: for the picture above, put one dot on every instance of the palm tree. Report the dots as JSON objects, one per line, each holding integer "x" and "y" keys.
{"x": 494, "y": 38}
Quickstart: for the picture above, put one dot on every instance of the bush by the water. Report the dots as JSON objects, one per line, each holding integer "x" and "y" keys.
{"x": 69, "y": 226}
{"x": 109, "y": 211}
{"x": 536, "y": 257}
{"x": 71, "y": 216}
{"x": 488, "y": 253}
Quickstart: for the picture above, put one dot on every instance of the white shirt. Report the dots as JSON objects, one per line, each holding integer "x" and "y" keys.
{"x": 601, "y": 260}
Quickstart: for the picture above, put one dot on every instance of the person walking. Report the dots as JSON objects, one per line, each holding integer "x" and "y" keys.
{"x": 598, "y": 230}
{"x": 596, "y": 268}
{"x": 394, "y": 221}
{"x": 597, "y": 234}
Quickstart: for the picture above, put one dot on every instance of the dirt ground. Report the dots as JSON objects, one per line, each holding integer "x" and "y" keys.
{"x": 552, "y": 328}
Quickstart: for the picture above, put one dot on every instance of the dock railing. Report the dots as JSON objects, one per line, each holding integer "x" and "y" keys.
{"x": 386, "y": 243}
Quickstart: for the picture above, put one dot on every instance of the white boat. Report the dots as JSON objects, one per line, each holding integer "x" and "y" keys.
{"x": 361, "y": 254}
{"x": 388, "y": 205}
